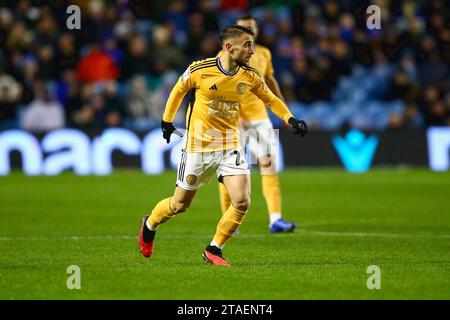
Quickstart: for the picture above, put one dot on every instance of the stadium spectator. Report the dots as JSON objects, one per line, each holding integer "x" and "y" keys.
{"x": 164, "y": 55}
{"x": 177, "y": 19}
{"x": 195, "y": 35}
{"x": 140, "y": 112}
{"x": 10, "y": 91}
{"x": 110, "y": 47}
{"x": 438, "y": 114}
{"x": 231, "y": 10}
{"x": 66, "y": 52}
{"x": 46, "y": 31}
{"x": 48, "y": 69}
{"x": 114, "y": 105}
{"x": 28, "y": 75}
{"x": 400, "y": 88}
{"x": 209, "y": 46}
{"x": 68, "y": 93}
{"x": 96, "y": 66}
{"x": 44, "y": 113}
{"x": 412, "y": 118}
{"x": 137, "y": 59}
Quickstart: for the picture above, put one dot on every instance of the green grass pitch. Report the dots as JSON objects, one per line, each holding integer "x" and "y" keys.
{"x": 398, "y": 220}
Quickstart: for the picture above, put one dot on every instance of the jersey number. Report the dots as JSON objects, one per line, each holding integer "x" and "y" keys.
{"x": 238, "y": 157}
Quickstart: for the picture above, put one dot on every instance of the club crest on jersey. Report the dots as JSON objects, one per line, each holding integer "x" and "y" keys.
{"x": 241, "y": 88}
{"x": 191, "y": 179}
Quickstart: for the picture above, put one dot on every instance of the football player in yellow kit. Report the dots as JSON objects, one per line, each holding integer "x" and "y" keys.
{"x": 257, "y": 126}
{"x": 211, "y": 143}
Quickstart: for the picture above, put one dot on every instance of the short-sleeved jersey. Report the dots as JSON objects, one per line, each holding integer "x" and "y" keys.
{"x": 212, "y": 119}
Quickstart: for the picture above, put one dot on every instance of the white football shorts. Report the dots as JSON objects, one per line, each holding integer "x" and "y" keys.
{"x": 261, "y": 141}
{"x": 196, "y": 168}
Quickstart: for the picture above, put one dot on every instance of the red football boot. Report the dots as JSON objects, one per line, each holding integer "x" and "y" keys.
{"x": 146, "y": 239}
{"x": 214, "y": 256}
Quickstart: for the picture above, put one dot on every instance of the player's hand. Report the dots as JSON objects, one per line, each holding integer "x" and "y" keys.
{"x": 299, "y": 126}
{"x": 167, "y": 129}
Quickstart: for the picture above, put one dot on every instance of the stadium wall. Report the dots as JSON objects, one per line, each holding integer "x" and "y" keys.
{"x": 100, "y": 152}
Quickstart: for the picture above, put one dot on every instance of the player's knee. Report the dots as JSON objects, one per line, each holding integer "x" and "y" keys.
{"x": 267, "y": 165}
{"x": 242, "y": 204}
{"x": 179, "y": 207}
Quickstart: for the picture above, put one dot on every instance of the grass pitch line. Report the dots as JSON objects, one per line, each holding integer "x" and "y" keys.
{"x": 242, "y": 235}
{"x": 374, "y": 234}
{"x": 74, "y": 238}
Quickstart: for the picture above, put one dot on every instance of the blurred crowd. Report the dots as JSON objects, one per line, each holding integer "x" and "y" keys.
{"x": 119, "y": 68}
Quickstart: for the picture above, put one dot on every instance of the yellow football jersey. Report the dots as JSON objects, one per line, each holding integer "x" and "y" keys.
{"x": 212, "y": 119}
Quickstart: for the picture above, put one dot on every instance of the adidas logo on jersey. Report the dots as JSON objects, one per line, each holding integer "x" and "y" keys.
{"x": 213, "y": 87}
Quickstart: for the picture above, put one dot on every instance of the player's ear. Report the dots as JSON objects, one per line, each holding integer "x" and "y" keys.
{"x": 228, "y": 46}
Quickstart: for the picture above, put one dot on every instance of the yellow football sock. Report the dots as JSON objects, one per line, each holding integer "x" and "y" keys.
{"x": 228, "y": 224}
{"x": 272, "y": 193}
{"x": 225, "y": 200}
{"x": 161, "y": 213}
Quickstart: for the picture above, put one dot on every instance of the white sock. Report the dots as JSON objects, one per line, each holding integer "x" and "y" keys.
{"x": 215, "y": 244}
{"x": 274, "y": 217}
{"x": 149, "y": 226}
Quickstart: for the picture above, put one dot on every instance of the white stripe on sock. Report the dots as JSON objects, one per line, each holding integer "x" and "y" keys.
{"x": 274, "y": 217}
{"x": 215, "y": 244}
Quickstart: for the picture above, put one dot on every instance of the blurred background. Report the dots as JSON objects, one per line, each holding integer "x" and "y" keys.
{"x": 117, "y": 70}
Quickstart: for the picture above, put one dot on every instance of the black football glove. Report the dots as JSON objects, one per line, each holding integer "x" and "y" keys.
{"x": 167, "y": 129}
{"x": 299, "y": 126}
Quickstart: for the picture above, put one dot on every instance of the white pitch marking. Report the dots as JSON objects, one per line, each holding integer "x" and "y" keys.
{"x": 241, "y": 235}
